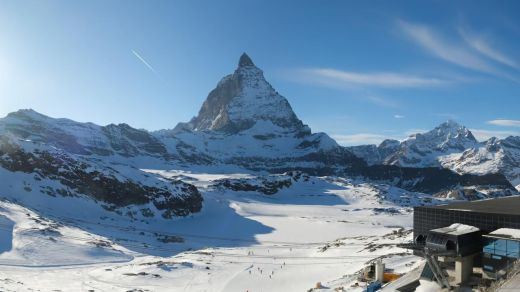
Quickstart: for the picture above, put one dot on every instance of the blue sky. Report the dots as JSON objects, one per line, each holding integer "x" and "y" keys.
{"x": 360, "y": 72}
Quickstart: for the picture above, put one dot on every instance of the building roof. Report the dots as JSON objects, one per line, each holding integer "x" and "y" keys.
{"x": 507, "y": 205}
{"x": 456, "y": 229}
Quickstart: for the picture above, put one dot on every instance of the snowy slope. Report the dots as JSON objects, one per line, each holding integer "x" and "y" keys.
{"x": 30, "y": 240}
{"x": 34, "y": 172}
{"x": 242, "y": 240}
{"x": 492, "y": 156}
{"x": 81, "y": 138}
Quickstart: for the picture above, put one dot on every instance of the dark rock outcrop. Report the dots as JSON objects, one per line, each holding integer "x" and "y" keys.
{"x": 78, "y": 177}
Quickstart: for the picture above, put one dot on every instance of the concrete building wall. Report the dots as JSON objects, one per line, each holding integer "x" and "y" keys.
{"x": 463, "y": 269}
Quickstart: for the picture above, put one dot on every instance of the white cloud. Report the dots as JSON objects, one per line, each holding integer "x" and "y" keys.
{"x": 379, "y": 100}
{"x": 399, "y": 116}
{"x": 415, "y": 131}
{"x": 483, "y": 46}
{"x": 329, "y": 76}
{"x": 505, "y": 123}
{"x": 372, "y": 138}
{"x": 482, "y": 134}
{"x": 432, "y": 42}
{"x": 360, "y": 139}
{"x": 329, "y": 79}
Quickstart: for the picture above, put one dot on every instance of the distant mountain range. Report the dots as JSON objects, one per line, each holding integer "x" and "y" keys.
{"x": 451, "y": 146}
{"x": 243, "y": 124}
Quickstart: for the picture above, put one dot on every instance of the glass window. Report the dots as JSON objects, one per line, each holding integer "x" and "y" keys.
{"x": 488, "y": 268}
{"x": 501, "y": 247}
{"x": 489, "y": 245}
{"x": 513, "y": 248}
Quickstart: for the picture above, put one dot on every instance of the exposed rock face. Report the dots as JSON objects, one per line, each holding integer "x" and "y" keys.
{"x": 242, "y": 99}
{"x": 245, "y": 122}
{"x": 78, "y": 156}
{"x": 267, "y": 185}
{"x": 373, "y": 154}
{"x": 245, "y": 61}
{"x": 471, "y": 194}
{"x": 432, "y": 180}
{"x": 58, "y": 173}
{"x": 421, "y": 150}
{"x": 128, "y": 141}
{"x": 82, "y": 138}
{"x": 492, "y": 156}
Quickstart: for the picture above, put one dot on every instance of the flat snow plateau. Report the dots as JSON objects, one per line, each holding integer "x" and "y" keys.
{"x": 316, "y": 230}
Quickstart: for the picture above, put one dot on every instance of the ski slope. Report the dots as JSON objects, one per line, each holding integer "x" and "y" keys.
{"x": 319, "y": 229}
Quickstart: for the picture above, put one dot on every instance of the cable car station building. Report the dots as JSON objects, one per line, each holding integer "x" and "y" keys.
{"x": 456, "y": 238}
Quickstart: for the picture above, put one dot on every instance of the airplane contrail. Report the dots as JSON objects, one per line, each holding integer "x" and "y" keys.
{"x": 146, "y": 63}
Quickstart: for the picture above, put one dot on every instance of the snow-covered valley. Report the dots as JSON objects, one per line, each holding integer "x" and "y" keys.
{"x": 319, "y": 229}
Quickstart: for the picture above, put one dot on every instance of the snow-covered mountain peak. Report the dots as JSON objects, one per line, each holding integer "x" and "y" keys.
{"x": 389, "y": 144}
{"x": 245, "y": 117}
{"x": 242, "y": 99}
{"x": 27, "y": 115}
{"x": 452, "y": 129}
{"x": 25, "y": 112}
{"x": 422, "y": 149}
{"x": 449, "y": 134}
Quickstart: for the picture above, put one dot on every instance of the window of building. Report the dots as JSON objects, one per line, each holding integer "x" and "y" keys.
{"x": 488, "y": 268}
{"x": 489, "y": 245}
{"x": 501, "y": 247}
{"x": 513, "y": 248}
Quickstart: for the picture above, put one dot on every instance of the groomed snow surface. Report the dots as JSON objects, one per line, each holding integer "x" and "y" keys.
{"x": 317, "y": 230}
